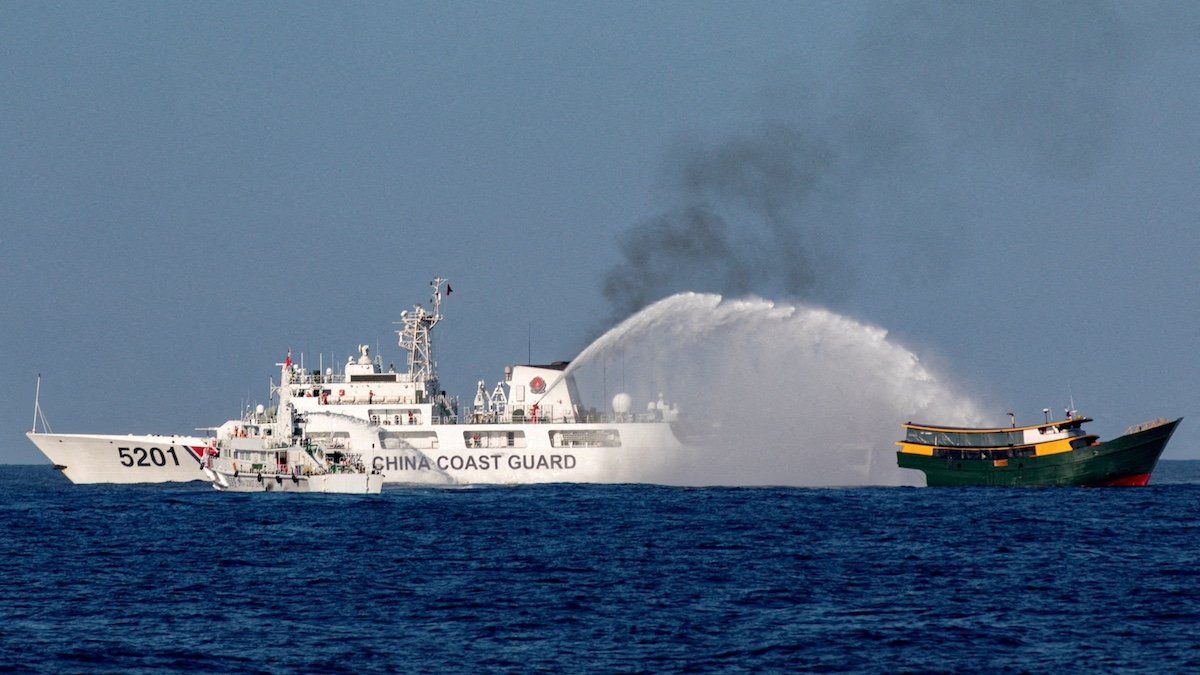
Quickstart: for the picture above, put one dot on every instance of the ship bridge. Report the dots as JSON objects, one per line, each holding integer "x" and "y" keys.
{"x": 1000, "y": 443}
{"x": 968, "y": 437}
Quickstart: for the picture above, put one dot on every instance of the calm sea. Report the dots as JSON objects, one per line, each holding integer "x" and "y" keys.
{"x": 565, "y": 577}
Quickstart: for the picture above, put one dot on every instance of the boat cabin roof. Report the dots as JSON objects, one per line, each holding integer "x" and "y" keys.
{"x": 1073, "y": 422}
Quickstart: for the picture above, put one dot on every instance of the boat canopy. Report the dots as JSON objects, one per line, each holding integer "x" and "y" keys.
{"x": 966, "y": 437}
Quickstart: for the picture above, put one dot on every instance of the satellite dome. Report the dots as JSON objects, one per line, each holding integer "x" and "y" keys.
{"x": 622, "y": 403}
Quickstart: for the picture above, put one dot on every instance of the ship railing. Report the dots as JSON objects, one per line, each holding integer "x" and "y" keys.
{"x": 1156, "y": 422}
{"x": 264, "y": 468}
{"x": 596, "y": 418}
{"x": 309, "y": 378}
{"x": 346, "y": 468}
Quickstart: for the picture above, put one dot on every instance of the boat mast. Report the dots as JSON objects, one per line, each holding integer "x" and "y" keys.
{"x": 37, "y": 409}
{"x": 415, "y": 336}
{"x": 37, "y": 394}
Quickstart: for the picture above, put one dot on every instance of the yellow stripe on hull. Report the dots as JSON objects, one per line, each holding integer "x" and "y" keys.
{"x": 1053, "y": 447}
{"x": 915, "y": 449}
{"x": 1040, "y": 449}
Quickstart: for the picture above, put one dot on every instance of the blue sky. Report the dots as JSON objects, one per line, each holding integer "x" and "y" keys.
{"x": 188, "y": 189}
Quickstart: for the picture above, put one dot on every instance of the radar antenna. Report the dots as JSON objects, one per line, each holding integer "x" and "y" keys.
{"x": 415, "y": 337}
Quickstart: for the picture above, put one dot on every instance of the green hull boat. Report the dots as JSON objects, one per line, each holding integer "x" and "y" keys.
{"x": 1053, "y": 454}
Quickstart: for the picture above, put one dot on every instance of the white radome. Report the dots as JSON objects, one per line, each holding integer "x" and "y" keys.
{"x": 622, "y": 403}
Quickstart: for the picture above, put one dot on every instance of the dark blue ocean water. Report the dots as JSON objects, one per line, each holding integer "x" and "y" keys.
{"x": 600, "y": 578}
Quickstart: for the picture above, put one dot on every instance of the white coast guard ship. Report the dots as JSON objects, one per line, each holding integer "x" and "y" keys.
{"x": 530, "y": 428}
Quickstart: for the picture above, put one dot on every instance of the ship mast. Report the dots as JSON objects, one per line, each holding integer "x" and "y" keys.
{"x": 415, "y": 337}
{"x": 37, "y": 409}
{"x": 38, "y": 415}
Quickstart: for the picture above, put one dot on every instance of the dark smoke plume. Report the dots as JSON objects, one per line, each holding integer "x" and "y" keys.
{"x": 932, "y": 88}
{"x": 761, "y": 182}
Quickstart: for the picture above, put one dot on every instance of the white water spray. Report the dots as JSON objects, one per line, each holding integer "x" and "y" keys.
{"x": 776, "y": 394}
{"x": 363, "y": 434}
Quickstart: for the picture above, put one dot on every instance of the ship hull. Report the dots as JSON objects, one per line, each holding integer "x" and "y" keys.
{"x": 449, "y": 455}
{"x": 1126, "y": 461}
{"x": 87, "y": 458}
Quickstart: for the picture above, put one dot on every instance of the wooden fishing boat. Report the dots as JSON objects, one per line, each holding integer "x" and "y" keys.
{"x": 1054, "y": 453}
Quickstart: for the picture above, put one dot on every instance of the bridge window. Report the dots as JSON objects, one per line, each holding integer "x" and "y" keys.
{"x": 489, "y": 438}
{"x": 585, "y": 438}
{"x": 958, "y": 439}
{"x": 395, "y": 416}
{"x": 985, "y": 453}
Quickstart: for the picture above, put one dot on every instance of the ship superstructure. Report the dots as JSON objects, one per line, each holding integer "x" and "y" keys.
{"x": 530, "y": 427}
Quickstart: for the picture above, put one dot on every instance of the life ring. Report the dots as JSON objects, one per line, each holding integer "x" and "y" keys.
{"x": 341, "y": 392}
{"x": 537, "y": 385}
